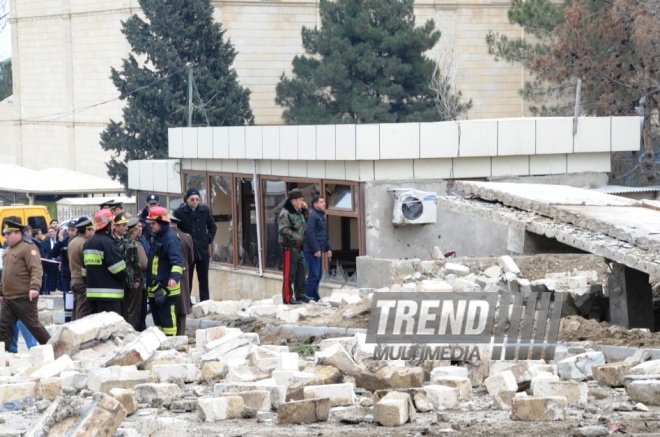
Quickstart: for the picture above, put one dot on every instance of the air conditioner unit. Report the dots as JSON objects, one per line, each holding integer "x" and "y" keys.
{"x": 414, "y": 207}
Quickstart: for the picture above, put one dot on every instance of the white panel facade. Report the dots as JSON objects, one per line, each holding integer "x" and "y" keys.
{"x": 516, "y": 137}
{"x": 237, "y": 142}
{"x": 289, "y": 142}
{"x": 325, "y": 142}
{"x": 316, "y": 169}
{"x": 230, "y": 166}
{"x": 438, "y": 140}
{"x": 160, "y": 176}
{"x": 264, "y": 167}
{"x": 280, "y": 167}
{"x": 271, "y": 142}
{"x": 335, "y": 170}
{"x": 298, "y": 169}
{"x": 254, "y": 142}
{"x": 345, "y": 142}
{"x": 626, "y": 133}
{"x": 554, "y": 135}
{"x": 593, "y": 135}
{"x": 307, "y": 142}
{"x": 470, "y": 168}
{"x": 190, "y": 143}
{"x": 579, "y": 162}
{"x": 175, "y": 143}
{"x": 432, "y": 168}
{"x": 220, "y": 142}
{"x": 399, "y": 141}
{"x": 366, "y": 170}
{"x": 393, "y": 169}
{"x": 352, "y": 171}
{"x": 205, "y": 142}
{"x": 478, "y": 138}
{"x": 510, "y": 166}
{"x": 367, "y": 141}
{"x": 244, "y": 166}
{"x": 547, "y": 164}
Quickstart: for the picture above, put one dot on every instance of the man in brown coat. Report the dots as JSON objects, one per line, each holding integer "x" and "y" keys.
{"x": 183, "y": 299}
{"x": 19, "y": 288}
{"x": 84, "y": 231}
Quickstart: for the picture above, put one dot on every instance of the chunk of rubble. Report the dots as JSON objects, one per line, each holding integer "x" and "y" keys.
{"x": 139, "y": 350}
{"x": 508, "y": 265}
{"x": 647, "y": 392}
{"x": 574, "y": 392}
{"x": 502, "y": 387}
{"x": 305, "y": 411}
{"x": 156, "y": 393}
{"x": 612, "y": 374}
{"x": 336, "y": 356}
{"x": 651, "y": 367}
{"x": 221, "y": 408}
{"x": 101, "y": 326}
{"x": 339, "y": 394}
{"x": 579, "y": 366}
{"x": 105, "y": 379}
{"x": 101, "y": 417}
{"x": 388, "y": 377}
{"x": 394, "y": 409}
{"x": 545, "y": 409}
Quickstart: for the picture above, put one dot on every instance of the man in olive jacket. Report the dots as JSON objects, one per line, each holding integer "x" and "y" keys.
{"x": 291, "y": 225}
{"x": 197, "y": 221}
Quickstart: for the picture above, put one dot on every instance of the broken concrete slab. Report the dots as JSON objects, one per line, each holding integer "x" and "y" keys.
{"x": 139, "y": 350}
{"x": 94, "y": 327}
{"x": 101, "y": 417}
{"x": 339, "y": 394}
{"x": 305, "y": 411}
{"x": 532, "y": 408}
{"x": 394, "y": 409}
{"x": 221, "y": 408}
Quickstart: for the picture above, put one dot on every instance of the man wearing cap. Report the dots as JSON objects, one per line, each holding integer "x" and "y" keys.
{"x": 20, "y": 284}
{"x": 164, "y": 271}
{"x": 128, "y": 247}
{"x": 104, "y": 267}
{"x": 197, "y": 221}
{"x": 84, "y": 231}
{"x": 152, "y": 200}
{"x": 183, "y": 300}
{"x": 291, "y": 225}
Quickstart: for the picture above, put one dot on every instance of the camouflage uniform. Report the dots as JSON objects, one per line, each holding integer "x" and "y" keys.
{"x": 133, "y": 295}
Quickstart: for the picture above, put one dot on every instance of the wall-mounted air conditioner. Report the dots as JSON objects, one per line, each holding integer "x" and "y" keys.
{"x": 414, "y": 207}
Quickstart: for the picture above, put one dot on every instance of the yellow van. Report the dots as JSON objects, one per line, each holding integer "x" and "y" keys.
{"x": 36, "y": 216}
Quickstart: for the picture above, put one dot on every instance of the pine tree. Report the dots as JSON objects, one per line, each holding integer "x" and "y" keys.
{"x": 365, "y": 64}
{"x": 6, "y": 82}
{"x": 153, "y": 80}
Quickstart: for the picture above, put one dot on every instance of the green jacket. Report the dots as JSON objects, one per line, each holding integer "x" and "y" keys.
{"x": 291, "y": 226}
{"x": 129, "y": 252}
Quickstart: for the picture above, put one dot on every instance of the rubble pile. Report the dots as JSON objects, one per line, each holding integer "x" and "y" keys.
{"x": 98, "y": 374}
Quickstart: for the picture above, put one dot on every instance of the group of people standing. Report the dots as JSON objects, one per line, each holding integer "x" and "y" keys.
{"x": 303, "y": 237}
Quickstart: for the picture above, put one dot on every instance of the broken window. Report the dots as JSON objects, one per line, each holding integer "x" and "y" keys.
{"x": 221, "y": 208}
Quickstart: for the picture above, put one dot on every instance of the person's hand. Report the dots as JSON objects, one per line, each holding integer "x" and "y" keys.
{"x": 33, "y": 294}
{"x": 303, "y": 205}
{"x": 159, "y": 297}
{"x": 171, "y": 283}
{"x": 317, "y": 254}
{"x": 136, "y": 285}
{"x": 329, "y": 253}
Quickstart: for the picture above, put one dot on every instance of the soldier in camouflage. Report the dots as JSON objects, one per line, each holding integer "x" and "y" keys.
{"x": 129, "y": 252}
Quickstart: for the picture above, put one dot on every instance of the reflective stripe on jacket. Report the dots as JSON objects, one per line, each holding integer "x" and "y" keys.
{"x": 105, "y": 269}
{"x": 165, "y": 263}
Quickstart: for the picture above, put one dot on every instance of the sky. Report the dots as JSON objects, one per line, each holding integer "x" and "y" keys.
{"x": 5, "y": 42}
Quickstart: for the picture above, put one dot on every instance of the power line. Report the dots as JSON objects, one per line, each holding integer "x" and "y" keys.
{"x": 59, "y": 115}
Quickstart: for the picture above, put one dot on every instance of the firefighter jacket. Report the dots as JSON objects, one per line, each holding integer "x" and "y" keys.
{"x": 291, "y": 225}
{"x": 105, "y": 268}
{"x": 128, "y": 248}
{"x": 165, "y": 263}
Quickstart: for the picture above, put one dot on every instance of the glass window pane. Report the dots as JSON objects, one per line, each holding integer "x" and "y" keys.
{"x": 248, "y": 250}
{"x": 221, "y": 201}
{"x": 197, "y": 181}
{"x": 343, "y": 236}
{"x": 339, "y": 196}
{"x": 274, "y": 195}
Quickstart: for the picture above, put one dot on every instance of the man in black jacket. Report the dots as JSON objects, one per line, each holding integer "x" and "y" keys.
{"x": 197, "y": 221}
{"x": 316, "y": 244}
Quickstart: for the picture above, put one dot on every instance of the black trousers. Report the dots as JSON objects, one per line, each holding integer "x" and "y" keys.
{"x": 202, "y": 267}
{"x": 21, "y": 309}
{"x": 293, "y": 276}
{"x": 99, "y": 306}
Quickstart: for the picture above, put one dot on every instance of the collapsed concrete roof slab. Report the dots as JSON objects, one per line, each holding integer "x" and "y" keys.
{"x": 632, "y": 221}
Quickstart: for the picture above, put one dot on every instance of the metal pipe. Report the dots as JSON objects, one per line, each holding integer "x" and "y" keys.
{"x": 255, "y": 188}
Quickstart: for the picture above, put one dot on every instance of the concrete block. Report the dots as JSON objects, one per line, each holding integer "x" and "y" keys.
{"x": 651, "y": 367}
{"x": 94, "y": 327}
{"x": 647, "y": 392}
{"x": 394, "y": 409}
{"x": 328, "y": 374}
{"x": 502, "y": 387}
{"x": 463, "y": 385}
{"x": 288, "y": 361}
{"x": 178, "y": 343}
{"x": 50, "y": 388}
{"x": 126, "y": 397}
{"x": 362, "y": 350}
{"x": 442, "y": 397}
{"x": 213, "y": 370}
{"x": 258, "y": 400}
{"x": 139, "y": 350}
{"x": 176, "y": 372}
{"x": 225, "y": 407}
{"x": 17, "y": 391}
{"x": 442, "y": 371}
{"x": 156, "y": 393}
{"x": 18, "y": 363}
{"x": 579, "y": 366}
{"x": 546, "y": 409}
{"x": 165, "y": 357}
{"x": 612, "y": 374}
{"x": 337, "y": 357}
{"x": 48, "y": 370}
{"x": 72, "y": 379}
{"x": 574, "y": 392}
{"x": 103, "y": 415}
{"x": 339, "y": 394}
{"x": 105, "y": 379}
{"x": 42, "y": 354}
{"x": 456, "y": 269}
{"x": 305, "y": 411}
{"x": 507, "y": 265}
{"x": 435, "y": 285}
{"x": 277, "y": 392}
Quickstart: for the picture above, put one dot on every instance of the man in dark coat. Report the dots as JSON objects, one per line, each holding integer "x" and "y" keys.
{"x": 316, "y": 244}
{"x": 197, "y": 221}
{"x": 291, "y": 225}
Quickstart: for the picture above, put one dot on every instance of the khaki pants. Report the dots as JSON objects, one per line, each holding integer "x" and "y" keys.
{"x": 81, "y": 307}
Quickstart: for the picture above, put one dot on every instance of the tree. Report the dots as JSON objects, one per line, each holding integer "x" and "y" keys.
{"x": 365, "y": 64}
{"x": 6, "y": 82}
{"x": 612, "y": 47}
{"x": 175, "y": 35}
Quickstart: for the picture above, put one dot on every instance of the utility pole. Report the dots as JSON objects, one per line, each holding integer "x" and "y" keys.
{"x": 190, "y": 90}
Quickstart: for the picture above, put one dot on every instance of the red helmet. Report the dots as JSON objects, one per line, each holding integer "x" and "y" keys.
{"x": 158, "y": 214}
{"x": 102, "y": 218}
